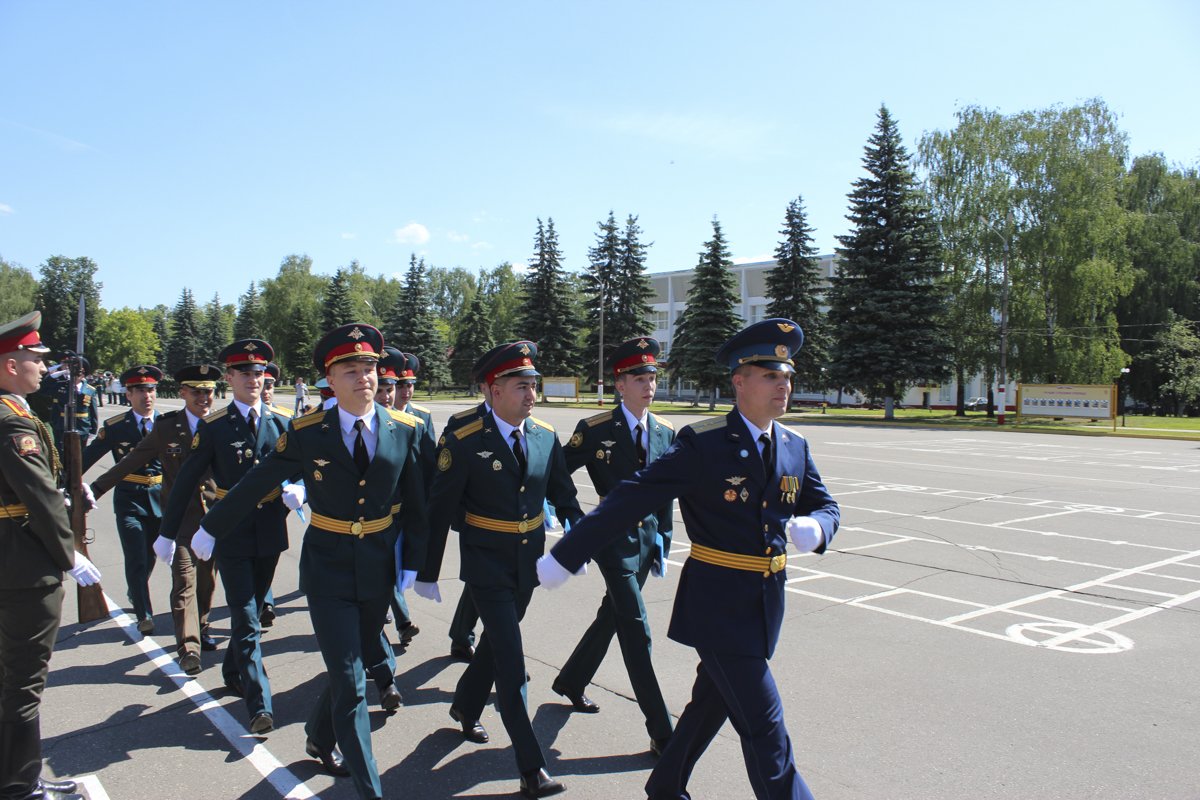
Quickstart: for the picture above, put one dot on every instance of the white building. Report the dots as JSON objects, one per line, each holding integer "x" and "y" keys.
{"x": 670, "y": 299}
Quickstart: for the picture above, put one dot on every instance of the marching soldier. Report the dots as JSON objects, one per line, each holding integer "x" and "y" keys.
{"x": 746, "y": 485}
{"x": 229, "y": 442}
{"x": 138, "y": 496}
{"x": 169, "y": 443}
{"x": 360, "y": 466}
{"x": 500, "y": 469}
{"x": 36, "y": 548}
{"x": 613, "y": 445}
{"x": 294, "y": 498}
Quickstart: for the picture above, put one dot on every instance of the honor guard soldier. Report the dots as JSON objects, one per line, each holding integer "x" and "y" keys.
{"x": 360, "y": 465}
{"x": 229, "y": 442}
{"x": 294, "y": 498}
{"x": 168, "y": 443}
{"x": 613, "y": 445}
{"x": 36, "y": 548}
{"x": 56, "y": 387}
{"x": 746, "y": 484}
{"x": 137, "y": 502}
{"x": 500, "y": 468}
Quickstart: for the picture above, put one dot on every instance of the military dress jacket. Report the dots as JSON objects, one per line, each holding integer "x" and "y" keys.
{"x": 731, "y": 505}
{"x": 341, "y": 563}
{"x": 427, "y": 445}
{"x": 87, "y": 419}
{"x": 168, "y": 444}
{"x": 478, "y": 477}
{"x": 604, "y": 444}
{"x": 141, "y": 491}
{"x": 36, "y": 543}
{"x": 222, "y": 444}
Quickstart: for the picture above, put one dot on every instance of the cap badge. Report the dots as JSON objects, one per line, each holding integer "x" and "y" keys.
{"x": 781, "y": 350}
{"x": 783, "y": 326}
{"x": 250, "y": 347}
{"x": 142, "y": 370}
{"x": 642, "y": 343}
{"x": 524, "y": 350}
{"x": 356, "y": 334}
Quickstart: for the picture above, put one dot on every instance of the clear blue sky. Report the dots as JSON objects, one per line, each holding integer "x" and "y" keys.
{"x": 198, "y": 144}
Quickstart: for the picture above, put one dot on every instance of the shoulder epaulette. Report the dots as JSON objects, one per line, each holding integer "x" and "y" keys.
{"x": 304, "y": 420}
{"x": 283, "y": 412}
{"x": 16, "y": 408}
{"x": 466, "y": 412}
{"x": 420, "y": 408}
{"x": 542, "y": 424}
{"x": 603, "y": 416}
{"x": 664, "y": 422}
{"x": 405, "y": 417}
{"x": 113, "y": 420}
{"x": 216, "y": 415}
{"x": 716, "y": 423}
{"x": 468, "y": 429}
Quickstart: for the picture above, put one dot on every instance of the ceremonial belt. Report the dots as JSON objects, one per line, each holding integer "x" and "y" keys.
{"x": 144, "y": 480}
{"x": 266, "y": 498}
{"x": 767, "y": 565}
{"x": 503, "y": 525}
{"x": 359, "y": 527}
{"x": 15, "y": 511}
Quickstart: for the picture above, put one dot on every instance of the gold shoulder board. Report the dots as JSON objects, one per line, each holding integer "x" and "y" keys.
{"x": 542, "y": 424}
{"x": 468, "y": 429}
{"x": 404, "y": 417}
{"x": 716, "y": 423}
{"x": 595, "y": 420}
{"x": 304, "y": 420}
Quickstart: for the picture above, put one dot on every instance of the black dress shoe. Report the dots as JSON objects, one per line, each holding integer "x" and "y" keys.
{"x": 190, "y": 664}
{"x": 262, "y": 723}
{"x": 538, "y": 783}
{"x": 657, "y": 746}
{"x": 331, "y": 761}
{"x": 390, "y": 698}
{"x": 579, "y": 700}
{"x": 208, "y": 642}
{"x": 472, "y": 730}
{"x": 267, "y": 618}
{"x": 462, "y": 652}
{"x": 408, "y": 633}
{"x": 62, "y": 787}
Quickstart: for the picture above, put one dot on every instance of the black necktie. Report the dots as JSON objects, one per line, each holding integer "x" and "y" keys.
{"x": 517, "y": 451}
{"x": 145, "y": 426}
{"x": 637, "y": 445}
{"x": 768, "y": 464}
{"x": 250, "y": 417}
{"x": 362, "y": 459}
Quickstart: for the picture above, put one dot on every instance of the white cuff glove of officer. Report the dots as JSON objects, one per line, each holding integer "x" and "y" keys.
{"x": 60, "y": 372}
{"x": 203, "y": 544}
{"x": 164, "y": 548}
{"x": 805, "y": 533}
{"x": 552, "y": 574}
{"x": 294, "y": 496}
{"x": 89, "y": 499}
{"x": 84, "y": 572}
{"x": 428, "y": 589}
{"x": 408, "y": 577}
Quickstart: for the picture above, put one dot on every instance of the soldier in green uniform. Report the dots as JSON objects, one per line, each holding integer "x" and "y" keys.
{"x": 137, "y": 502}
{"x": 498, "y": 472}
{"x": 613, "y": 445}
{"x": 36, "y": 548}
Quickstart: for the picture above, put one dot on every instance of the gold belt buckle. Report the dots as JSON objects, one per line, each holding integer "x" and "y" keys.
{"x": 356, "y": 528}
{"x": 778, "y": 562}
{"x": 523, "y": 526}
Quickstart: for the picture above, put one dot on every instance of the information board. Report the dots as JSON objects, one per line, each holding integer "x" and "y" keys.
{"x": 1089, "y": 401}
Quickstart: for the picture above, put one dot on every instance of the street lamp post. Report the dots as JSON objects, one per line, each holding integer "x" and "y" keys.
{"x": 1002, "y": 377}
{"x": 600, "y": 354}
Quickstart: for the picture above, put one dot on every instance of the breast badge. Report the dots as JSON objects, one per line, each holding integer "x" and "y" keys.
{"x": 497, "y": 466}
{"x": 317, "y": 476}
{"x": 730, "y": 495}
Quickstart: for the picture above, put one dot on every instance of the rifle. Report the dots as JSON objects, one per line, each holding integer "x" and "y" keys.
{"x": 90, "y": 598}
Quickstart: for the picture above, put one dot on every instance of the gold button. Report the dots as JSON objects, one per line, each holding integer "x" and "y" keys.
{"x": 260, "y": 505}
{"x": 361, "y": 500}
{"x": 768, "y": 551}
{"x": 524, "y": 541}
{"x": 764, "y": 503}
{"x": 522, "y": 488}
{"x": 256, "y": 461}
{"x": 525, "y": 515}
{"x": 362, "y": 483}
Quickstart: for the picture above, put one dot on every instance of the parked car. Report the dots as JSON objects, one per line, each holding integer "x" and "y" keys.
{"x": 976, "y": 404}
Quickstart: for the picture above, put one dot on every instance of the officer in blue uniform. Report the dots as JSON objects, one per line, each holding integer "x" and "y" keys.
{"x": 360, "y": 466}
{"x": 500, "y": 468}
{"x": 229, "y": 442}
{"x": 614, "y": 445}
{"x": 746, "y": 485}
{"x": 136, "y": 501}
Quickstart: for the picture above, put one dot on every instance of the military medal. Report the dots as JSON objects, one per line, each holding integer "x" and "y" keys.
{"x": 745, "y": 495}
{"x": 317, "y": 476}
{"x": 600, "y": 454}
{"x": 497, "y": 466}
{"x": 730, "y": 495}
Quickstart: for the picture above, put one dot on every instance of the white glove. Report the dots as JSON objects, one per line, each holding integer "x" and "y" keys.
{"x": 89, "y": 499}
{"x": 66, "y": 498}
{"x": 427, "y": 589}
{"x": 203, "y": 544}
{"x": 60, "y": 371}
{"x": 84, "y": 572}
{"x": 805, "y": 533}
{"x": 164, "y": 548}
{"x": 552, "y": 524}
{"x": 407, "y": 578}
{"x": 552, "y": 574}
{"x": 294, "y": 496}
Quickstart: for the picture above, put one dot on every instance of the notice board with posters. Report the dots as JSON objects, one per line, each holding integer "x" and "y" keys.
{"x": 1086, "y": 401}
{"x": 560, "y": 387}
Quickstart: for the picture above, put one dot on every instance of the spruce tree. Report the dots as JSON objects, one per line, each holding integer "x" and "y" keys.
{"x": 216, "y": 330}
{"x": 338, "y": 308}
{"x": 794, "y": 286}
{"x": 708, "y": 321}
{"x": 162, "y": 329}
{"x": 887, "y": 304}
{"x": 248, "y": 325}
{"x": 185, "y": 342}
{"x": 411, "y": 326}
{"x": 474, "y": 339}
{"x": 634, "y": 290}
{"x": 550, "y": 315}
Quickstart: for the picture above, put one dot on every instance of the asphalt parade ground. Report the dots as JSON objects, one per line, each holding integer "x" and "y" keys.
{"x": 1002, "y": 615}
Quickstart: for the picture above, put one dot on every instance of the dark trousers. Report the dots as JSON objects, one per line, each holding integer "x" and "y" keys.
{"x": 400, "y": 610}
{"x": 192, "y": 585}
{"x": 29, "y": 621}
{"x": 742, "y": 690}
{"x": 499, "y": 659}
{"x": 462, "y": 626}
{"x": 137, "y": 532}
{"x": 246, "y": 581}
{"x": 345, "y": 632}
{"x": 622, "y": 612}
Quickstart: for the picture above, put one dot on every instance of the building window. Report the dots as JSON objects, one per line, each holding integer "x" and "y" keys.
{"x": 660, "y": 320}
